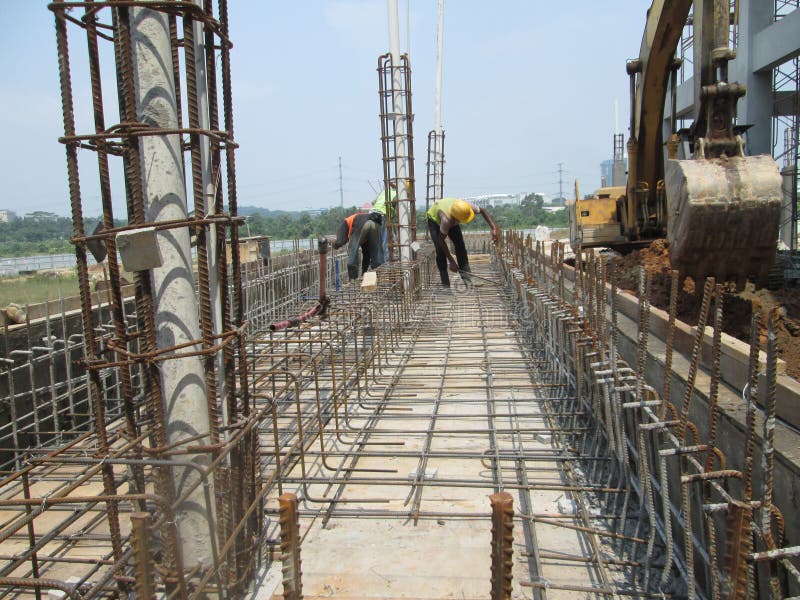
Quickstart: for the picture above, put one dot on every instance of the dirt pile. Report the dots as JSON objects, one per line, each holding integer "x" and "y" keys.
{"x": 738, "y": 306}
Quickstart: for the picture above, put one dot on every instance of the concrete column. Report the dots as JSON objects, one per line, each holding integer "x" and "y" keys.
{"x": 756, "y": 107}
{"x": 787, "y": 234}
{"x": 175, "y": 304}
{"x": 400, "y": 129}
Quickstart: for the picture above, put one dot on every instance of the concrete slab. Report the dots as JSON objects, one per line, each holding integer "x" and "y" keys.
{"x": 454, "y": 422}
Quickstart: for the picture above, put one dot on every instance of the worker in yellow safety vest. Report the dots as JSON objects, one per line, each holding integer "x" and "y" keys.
{"x": 444, "y": 220}
{"x": 386, "y": 199}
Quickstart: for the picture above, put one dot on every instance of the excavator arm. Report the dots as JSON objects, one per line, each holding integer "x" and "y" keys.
{"x": 649, "y": 79}
{"x": 720, "y": 209}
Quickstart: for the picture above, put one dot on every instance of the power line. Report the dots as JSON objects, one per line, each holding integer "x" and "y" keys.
{"x": 341, "y": 193}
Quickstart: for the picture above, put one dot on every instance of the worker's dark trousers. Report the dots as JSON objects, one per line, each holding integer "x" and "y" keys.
{"x": 369, "y": 241}
{"x": 461, "y": 252}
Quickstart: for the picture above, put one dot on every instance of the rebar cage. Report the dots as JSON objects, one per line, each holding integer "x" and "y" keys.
{"x": 150, "y": 464}
{"x": 434, "y": 189}
{"x": 397, "y": 146}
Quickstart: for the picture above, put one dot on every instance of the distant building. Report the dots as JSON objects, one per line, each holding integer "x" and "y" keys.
{"x": 7, "y": 216}
{"x": 492, "y": 200}
{"x": 606, "y": 172}
{"x": 614, "y": 172}
{"x": 40, "y": 216}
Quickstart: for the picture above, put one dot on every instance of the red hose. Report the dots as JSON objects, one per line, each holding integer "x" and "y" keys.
{"x": 295, "y": 321}
{"x": 322, "y": 303}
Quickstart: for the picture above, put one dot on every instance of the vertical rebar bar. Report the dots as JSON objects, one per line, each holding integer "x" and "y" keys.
{"x": 502, "y": 545}
{"x": 708, "y": 291}
{"x": 670, "y": 344}
{"x": 142, "y": 540}
{"x": 290, "y": 547}
{"x": 768, "y": 457}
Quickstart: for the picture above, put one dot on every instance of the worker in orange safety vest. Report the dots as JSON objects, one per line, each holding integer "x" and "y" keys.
{"x": 360, "y": 231}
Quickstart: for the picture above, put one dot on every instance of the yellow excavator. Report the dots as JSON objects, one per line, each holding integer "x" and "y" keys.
{"x": 719, "y": 209}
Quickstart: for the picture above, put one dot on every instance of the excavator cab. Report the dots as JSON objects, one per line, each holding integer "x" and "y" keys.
{"x": 595, "y": 221}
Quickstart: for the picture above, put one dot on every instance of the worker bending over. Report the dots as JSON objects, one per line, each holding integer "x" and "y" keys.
{"x": 378, "y": 214}
{"x": 361, "y": 230}
{"x": 444, "y": 220}
{"x": 383, "y": 208}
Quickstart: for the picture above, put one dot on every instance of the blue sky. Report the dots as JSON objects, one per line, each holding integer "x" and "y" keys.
{"x": 527, "y": 84}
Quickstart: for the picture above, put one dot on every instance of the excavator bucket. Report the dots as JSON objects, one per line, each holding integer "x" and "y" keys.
{"x": 724, "y": 215}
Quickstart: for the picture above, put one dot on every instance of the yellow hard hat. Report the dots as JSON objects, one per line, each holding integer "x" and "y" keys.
{"x": 406, "y": 184}
{"x": 462, "y": 211}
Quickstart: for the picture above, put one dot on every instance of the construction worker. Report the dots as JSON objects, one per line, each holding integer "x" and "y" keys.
{"x": 444, "y": 220}
{"x": 379, "y": 211}
{"x": 361, "y": 230}
{"x": 379, "y": 205}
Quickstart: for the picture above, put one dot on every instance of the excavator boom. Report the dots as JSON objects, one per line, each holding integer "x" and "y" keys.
{"x": 649, "y": 80}
{"x": 720, "y": 209}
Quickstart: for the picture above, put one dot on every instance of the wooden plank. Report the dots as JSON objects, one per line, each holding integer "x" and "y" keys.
{"x": 734, "y": 360}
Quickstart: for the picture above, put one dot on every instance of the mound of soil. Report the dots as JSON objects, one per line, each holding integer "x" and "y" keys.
{"x": 738, "y": 306}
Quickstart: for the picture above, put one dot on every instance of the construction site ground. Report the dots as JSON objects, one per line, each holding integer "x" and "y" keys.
{"x": 402, "y": 508}
{"x": 738, "y": 305}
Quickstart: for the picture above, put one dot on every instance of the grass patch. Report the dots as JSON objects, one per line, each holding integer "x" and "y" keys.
{"x": 40, "y": 287}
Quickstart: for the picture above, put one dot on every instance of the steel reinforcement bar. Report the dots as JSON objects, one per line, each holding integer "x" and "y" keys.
{"x": 686, "y": 523}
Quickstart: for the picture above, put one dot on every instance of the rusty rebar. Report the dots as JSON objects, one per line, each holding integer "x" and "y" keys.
{"x": 142, "y": 540}
{"x": 502, "y": 545}
{"x": 700, "y": 330}
{"x": 670, "y": 343}
{"x": 290, "y": 547}
{"x": 768, "y": 457}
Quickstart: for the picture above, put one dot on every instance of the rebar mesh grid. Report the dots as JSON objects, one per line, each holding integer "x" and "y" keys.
{"x": 459, "y": 407}
{"x": 56, "y": 529}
